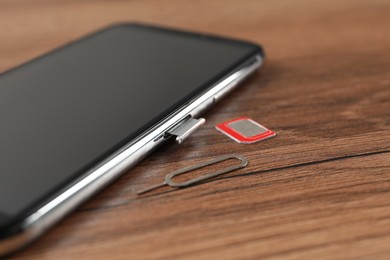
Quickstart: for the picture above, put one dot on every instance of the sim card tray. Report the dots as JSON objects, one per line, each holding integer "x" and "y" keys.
{"x": 186, "y": 128}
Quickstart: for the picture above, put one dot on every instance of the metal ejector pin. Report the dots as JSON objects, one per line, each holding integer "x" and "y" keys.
{"x": 168, "y": 178}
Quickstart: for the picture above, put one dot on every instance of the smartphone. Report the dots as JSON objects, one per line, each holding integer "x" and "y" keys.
{"x": 75, "y": 119}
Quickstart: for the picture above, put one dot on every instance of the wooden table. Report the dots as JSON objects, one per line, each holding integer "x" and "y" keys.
{"x": 319, "y": 190}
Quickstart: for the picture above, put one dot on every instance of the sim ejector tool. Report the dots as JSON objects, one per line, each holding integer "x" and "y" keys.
{"x": 168, "y": 178}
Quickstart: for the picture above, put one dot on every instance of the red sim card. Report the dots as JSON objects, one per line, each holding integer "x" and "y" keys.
{"x": 245, "y": 130}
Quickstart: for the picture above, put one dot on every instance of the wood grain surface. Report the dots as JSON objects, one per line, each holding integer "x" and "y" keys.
{"x": 319, "y": 190}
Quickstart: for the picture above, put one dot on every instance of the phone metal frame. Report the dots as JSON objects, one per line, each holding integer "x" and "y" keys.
{"x": 118, "y": 163}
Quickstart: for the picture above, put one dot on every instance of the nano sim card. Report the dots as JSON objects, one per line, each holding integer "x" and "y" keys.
{"x": 245, "y": 130}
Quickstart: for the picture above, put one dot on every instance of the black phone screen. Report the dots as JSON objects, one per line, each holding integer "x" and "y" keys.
{"x": 63, "y": 112}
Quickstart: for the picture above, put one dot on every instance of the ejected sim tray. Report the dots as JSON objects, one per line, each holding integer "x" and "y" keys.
{"x": 243, "y": 162}
{"x": 245, "y": 130}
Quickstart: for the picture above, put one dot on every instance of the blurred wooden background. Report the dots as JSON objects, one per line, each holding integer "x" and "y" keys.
{"x": 319, "y": 190}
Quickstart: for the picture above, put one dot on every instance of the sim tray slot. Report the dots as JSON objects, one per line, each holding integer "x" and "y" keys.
{"x": 185, "y": 128}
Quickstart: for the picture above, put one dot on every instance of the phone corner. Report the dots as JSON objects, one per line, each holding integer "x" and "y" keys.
{"x": 14, "y": 237}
